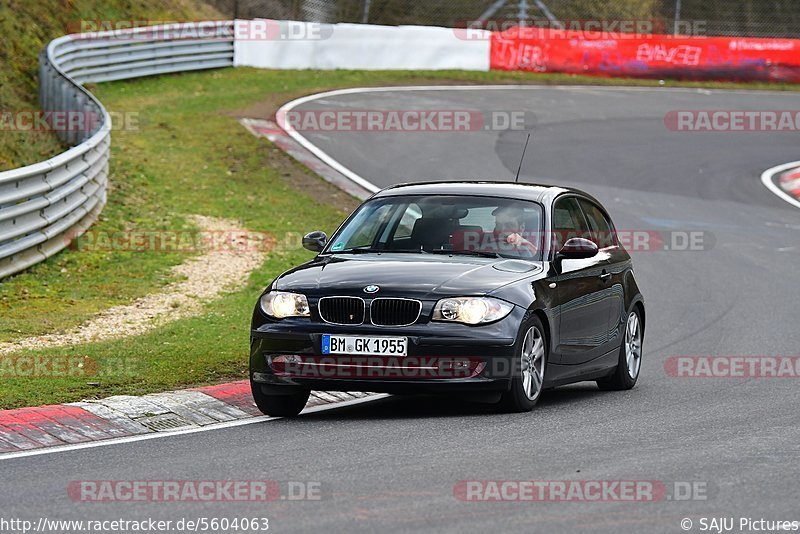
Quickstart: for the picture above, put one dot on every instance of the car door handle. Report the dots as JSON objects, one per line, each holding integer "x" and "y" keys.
{"x": 605, "y": 277}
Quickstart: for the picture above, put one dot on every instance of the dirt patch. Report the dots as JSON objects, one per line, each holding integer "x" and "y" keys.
{"x": 303, "y": 180}
{"x": 203, "y": 278}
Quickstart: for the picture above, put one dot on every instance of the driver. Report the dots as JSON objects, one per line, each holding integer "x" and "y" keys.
{"x": 509, "y": 226}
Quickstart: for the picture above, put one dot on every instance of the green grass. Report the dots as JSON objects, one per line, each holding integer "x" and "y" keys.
{"x": 190, "y": 156}
{"x": 26, "y": 26}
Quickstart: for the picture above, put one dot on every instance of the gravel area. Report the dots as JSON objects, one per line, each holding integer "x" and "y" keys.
{"x": 202, "y": 278}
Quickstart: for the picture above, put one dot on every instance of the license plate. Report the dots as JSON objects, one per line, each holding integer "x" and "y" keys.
{"x": 364, "y": 345}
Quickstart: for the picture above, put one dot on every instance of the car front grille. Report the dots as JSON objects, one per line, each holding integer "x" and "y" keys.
{"x": 342, "y": 310}
{"x": 394, "y": 312}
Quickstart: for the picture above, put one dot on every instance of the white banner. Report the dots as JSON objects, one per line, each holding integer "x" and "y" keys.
{"x": 272, "y": 44}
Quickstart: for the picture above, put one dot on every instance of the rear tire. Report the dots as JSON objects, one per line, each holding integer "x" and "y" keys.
{"x": 528, "y": 369}
{"x": 286, "y": 405}
{"x": 630, "y": 356}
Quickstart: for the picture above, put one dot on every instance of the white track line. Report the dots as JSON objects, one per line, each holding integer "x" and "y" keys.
{"x": 766, "y": 179}
{"x": 325, "y": 157}
{"x": 157, "y": 435}
{"x": 369, "y": 186}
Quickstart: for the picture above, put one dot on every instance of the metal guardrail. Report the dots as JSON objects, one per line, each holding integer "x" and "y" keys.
{"x": 46, "y": 205}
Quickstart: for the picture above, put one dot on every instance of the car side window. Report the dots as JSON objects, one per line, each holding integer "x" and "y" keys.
{"x": 568, "y": 222}
{"x": 599, "y": 224}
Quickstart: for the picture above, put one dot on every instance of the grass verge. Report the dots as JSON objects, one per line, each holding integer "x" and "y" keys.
{"x": 27, "y": 26}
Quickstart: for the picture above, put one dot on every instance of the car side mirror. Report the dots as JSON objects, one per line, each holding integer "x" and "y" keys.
{"x": 315, "y": 241}
{"x": 578, "y": 248}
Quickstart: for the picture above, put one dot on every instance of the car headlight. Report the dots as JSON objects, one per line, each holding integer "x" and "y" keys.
{"x": 280, "y": 304}
{"x": 471, "y": 310}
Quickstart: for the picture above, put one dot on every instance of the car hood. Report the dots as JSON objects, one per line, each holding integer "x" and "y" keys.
{"x": 418, "y": 276}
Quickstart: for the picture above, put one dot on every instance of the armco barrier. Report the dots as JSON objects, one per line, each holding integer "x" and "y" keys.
{"x": 45, "y": 205}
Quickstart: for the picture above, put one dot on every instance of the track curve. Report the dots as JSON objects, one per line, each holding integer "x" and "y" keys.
{"x": 391, "y": 465}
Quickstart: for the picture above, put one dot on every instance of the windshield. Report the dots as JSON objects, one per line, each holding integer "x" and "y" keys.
{"x": 484, "y": 226}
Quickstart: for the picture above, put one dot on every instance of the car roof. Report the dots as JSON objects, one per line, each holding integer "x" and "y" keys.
{"x": 545, "y": 194}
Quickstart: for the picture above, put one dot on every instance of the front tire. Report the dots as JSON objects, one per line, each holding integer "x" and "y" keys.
{"x": 527, "y": 379}
{"x": 630, "y": 356}
{"x": 285, "y": 405}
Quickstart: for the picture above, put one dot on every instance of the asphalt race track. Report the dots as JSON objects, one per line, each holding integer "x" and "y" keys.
{"x": 391, "y": 465}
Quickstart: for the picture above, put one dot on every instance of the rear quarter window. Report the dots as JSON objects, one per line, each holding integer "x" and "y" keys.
{"x": 599, "y": 224}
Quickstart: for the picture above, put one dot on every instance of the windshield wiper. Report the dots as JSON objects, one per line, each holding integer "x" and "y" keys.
{"x": 370, "y": 250}
{"x": 482, "y": 253}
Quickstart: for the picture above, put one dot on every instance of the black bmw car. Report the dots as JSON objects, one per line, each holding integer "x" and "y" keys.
{"x": 492, "y": 290}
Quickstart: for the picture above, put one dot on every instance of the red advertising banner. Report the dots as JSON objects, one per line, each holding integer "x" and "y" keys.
{"x": 646, "y": 56}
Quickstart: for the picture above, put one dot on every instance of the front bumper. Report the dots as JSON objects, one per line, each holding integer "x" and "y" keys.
{"x": 442, "y": 357}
